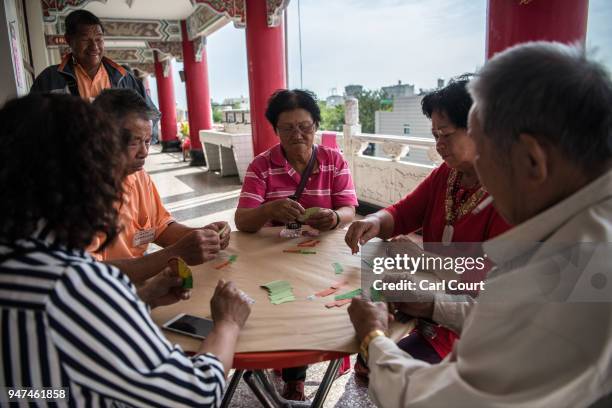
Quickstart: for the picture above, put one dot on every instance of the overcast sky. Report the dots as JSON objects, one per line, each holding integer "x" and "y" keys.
{"x": 375, "y": 44}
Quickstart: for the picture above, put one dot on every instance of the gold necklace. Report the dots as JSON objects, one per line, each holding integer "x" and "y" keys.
{"x": 451, "y": 215}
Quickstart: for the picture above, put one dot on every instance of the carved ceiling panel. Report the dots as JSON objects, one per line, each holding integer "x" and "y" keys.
{"x": 234, "y": 9}
{"x": 53, "y": 8}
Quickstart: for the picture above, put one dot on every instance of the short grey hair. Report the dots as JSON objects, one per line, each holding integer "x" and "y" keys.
{"x": 551, "y": 91}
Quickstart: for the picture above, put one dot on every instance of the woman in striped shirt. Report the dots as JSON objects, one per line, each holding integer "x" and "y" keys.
{"x": 67, "y": 321}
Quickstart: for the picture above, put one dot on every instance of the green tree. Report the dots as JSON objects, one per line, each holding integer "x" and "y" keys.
{"x": 332, "y": 117}
{"x": 369, "y": 103}
{"x": 216, "y": 114}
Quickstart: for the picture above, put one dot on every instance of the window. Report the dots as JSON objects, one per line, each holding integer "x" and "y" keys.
{"x": 406, "y": 129}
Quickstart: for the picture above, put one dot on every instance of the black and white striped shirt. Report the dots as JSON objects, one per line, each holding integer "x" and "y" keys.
{"x": 69, "y": 321}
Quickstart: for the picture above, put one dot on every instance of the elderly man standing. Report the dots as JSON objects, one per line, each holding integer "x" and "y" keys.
{"x": 86, "y": 71}
{"x": 539, "y": 334}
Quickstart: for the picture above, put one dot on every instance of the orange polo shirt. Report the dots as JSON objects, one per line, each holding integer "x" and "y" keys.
{"x": 142, "y": 216}
{"x": 90, "y": 88}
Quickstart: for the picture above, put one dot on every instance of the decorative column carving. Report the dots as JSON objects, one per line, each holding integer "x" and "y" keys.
{"x": 395, "y": 150}
{"x": 199, "y": 48}
{"x": 352, "y": 147}
{"x": 275, "y": 11}
{"x": 166, "y": 67}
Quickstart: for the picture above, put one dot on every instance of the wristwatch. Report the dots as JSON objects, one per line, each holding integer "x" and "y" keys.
{"x": 337, "y": 219}
{"x": 365, "y": 343}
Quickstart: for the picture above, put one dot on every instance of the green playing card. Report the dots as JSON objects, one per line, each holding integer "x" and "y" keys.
{"x": 308, "y": 213}
{"x": 337, "y": 268}
{"x": 376, "y": 295}
{"x": 188, "y": 282}
{"x": 348, "y": 295}
{"x": 283, "y": 300}
{"x": 279, "y": 291}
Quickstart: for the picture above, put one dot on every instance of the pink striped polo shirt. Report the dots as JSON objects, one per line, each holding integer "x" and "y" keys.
{"x": 270, "y": 177}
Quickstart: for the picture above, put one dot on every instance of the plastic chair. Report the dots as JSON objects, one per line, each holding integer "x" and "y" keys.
{"x": 328, "y": 139}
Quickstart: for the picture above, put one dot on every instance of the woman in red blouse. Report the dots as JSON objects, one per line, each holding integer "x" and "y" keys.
{"x": 442, "y": 206}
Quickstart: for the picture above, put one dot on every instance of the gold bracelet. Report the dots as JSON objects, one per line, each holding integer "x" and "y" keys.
{"x": 365, "y": 343}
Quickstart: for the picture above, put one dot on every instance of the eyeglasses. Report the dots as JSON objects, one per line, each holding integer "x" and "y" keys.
{"x": 444, "y": 132}
{"x": 302, "y": 127}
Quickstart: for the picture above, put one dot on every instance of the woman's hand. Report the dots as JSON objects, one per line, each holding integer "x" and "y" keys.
{"x": 229, "y": 305}
{"x": 324, "y": 220}
{"x": 163, "y": 289}
{"x": 284, "y": 210}
{"x": 361, "y": 232}
{"x": 230, "y": 310}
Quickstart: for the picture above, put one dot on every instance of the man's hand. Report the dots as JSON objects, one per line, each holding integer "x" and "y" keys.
{"x": 324, "y": 220}
{"x": 217, "y": 227}
{"x": 197, "y": 246}
{"x": 413, "y": 309}
{"x": 361, "y": 232}
{"x": 367, "y": 316}
{"x": 229, "y": 305}
{"x": 163, "y": 289}
{"x": 414, "y": 303}
{"x": 284, "y": 210}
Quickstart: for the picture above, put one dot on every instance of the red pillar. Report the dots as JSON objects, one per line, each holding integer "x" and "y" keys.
{"x": 510, "y": 22}
{"x": 167, "y": 106}
{"x": 198, "y": 95}
{"x": 266, "y": 62}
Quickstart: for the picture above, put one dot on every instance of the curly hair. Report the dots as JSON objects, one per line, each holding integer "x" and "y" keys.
{"x": 62, "y": 163}
{"x": 284, "y": 100}
{"x": 453, "y": 100}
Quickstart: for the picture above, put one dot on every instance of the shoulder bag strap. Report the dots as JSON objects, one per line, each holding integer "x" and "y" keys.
{"x": 305, "y": 174}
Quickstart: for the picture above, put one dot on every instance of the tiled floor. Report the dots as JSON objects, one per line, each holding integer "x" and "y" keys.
{"x": 196, "y": 198}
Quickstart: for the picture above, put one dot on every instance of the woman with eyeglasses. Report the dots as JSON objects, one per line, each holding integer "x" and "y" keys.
{"x": 271, "y": 190}
{"x": 273, "y": 177}
{"x": 443, "y": 207}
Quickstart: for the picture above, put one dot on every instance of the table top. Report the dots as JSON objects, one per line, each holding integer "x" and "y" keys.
{"x": 299, "y": 325}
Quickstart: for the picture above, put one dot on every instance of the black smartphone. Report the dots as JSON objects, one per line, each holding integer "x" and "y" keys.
{"x": 190, "y": 325}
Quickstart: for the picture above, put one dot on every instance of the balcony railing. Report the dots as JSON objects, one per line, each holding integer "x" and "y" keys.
{"x": 398, "y": 165}
{"x": 388, "y": 176}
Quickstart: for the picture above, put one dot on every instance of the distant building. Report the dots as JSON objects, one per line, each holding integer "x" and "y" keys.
{"x": 334, "y": 99}
{"x": 406, "y": 119}
{"x": 352, "y": 90}
{"x": 399, "y": 90}
{"x": 236, "y": 120}
{"x": 241, "y": 103}
{"x": 423, "y": 91}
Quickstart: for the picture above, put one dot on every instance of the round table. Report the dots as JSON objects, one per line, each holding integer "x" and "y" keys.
{"x": 291, "y": 334}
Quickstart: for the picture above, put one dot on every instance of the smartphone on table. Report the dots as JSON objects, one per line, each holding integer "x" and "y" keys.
{"x": 189, "y": 325}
